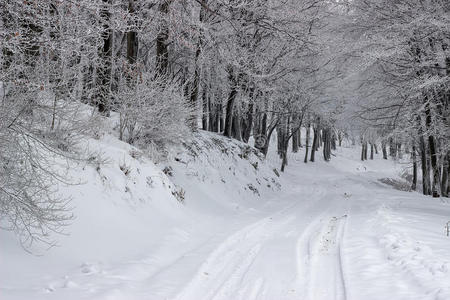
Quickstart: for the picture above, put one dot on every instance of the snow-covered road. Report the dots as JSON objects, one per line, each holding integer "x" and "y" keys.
{"x": 333, "y": 239}
{"x": 333, "y": 232}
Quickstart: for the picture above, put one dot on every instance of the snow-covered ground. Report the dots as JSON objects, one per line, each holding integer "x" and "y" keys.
{"x": 218, "y": 223}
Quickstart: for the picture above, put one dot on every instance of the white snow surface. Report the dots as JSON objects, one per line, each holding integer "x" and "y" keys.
{"x": 219, "y": 226}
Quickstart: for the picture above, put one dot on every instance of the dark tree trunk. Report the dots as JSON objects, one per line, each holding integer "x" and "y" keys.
{"x": 103, "y": 97}
{"x": 371, "y": 151}
{"x": 363, "y": 145}
{"x": 236, "y": 131}
{"x": 399, "y": 151}
{"x": 162, "y": 52}
{"x": 300, "y": 138}
{"x": 248, "y": 123}
{"x": 445, "y": 186}
{"x": 436, "y": 183}
{"x": 284, "y": 144}
{"x": 264, "y": 124}
{"x": 132, "y": 49}
{"x": 333, "y": 141}
{"x": 295, "y": 143}
{"x": 314, "y": 145}
{"x": 384, "y": 150}
{"x": 257, "y": 123}
{"x": 392, "y": 148}
{"x": 425, "y": 167}
{"x": 366, "y": 149}
{"x": 295, "y": 146}
{"x": 212, "y": 116}
{"x": 132, "y": 38}
{"x": 414, "y": 159}
{"x": 221, "y": 120}
{"x": 288, "y": 134}
{"x": 280, "y": 138}
{"x": 326, "y": 134}
{"x": 319, "y": 139}
{"x": 215, "y": 115}
{"x": 283, "y": 161}
{"x": 196, "y": 80}
{"x": 230, "y": 104}
{"x": 308, "y": 127}
{"x": 206, "y": 107}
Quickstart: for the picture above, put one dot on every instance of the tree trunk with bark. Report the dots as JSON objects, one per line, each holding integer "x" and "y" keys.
{"x": 314, "y": 144}
{"x": 399, "y": 151}
{"x": 392, "y": 148}
{"x": 426, "y": 186}
{"x": 445, "y": 185}
{"x": 326, "y": 134}
{"x": 196, "y": 79}
{"x": 132, "y": 38}
{"x": 384, "y": 150}
{"x": 103, "y": 97}
{"x": 299, "y": 138}
{"x": 248, "y": 123}
{"x": 436, "y": 183}
{"x": 308, "y": 128}
{"x": 333, "y": 140}
{"x": 414, "y": 159}
{"x": 162, "y": 51}
{"x": 206, "y": 110}
{"x": 435, "y": 168}
{"x": 229, "y": 113}
{"x": 363, "y": 145}
{"x": 236, "y": 131}
{"x": 366, "y": 149}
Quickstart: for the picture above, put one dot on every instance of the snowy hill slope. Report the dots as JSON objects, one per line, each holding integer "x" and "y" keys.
{"x": 127, "y": 210}
{"x": 221, "y": 172}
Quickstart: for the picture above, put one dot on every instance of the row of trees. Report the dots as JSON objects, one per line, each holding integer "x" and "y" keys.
{"x": 401, "y": 49}
{"x": 242, "y": 67}
{"x": 239, "y": 67}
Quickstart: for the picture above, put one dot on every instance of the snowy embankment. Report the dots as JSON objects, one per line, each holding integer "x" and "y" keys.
{"x": 215, "y": 223}
{"x": 134, "y": 219}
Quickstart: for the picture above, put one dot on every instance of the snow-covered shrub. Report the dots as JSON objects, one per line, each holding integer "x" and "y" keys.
{"x": 30, "y": 143}
{"x": 153, "y": 113}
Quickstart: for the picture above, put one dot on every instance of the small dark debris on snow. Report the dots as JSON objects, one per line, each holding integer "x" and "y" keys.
{"x": 168, "y": 171}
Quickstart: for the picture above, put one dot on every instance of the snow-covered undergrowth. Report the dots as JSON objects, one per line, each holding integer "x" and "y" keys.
{"x": 216, "y": 171}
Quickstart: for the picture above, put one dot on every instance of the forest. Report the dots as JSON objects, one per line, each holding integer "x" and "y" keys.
{"x": 302, "y": 77}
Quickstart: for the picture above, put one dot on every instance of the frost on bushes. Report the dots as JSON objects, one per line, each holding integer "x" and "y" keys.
{"x": 37, "y": 130}
{"x": 29, "y": 203}
{"x": 152, "y": 113}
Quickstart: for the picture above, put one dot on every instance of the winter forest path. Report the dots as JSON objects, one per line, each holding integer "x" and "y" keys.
{"x": 291, "y": 254}
{"x": 333, "y": 232}
{"x": 328, "y": 242}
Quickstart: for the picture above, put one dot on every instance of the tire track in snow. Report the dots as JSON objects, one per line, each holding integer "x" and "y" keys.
{"x": 221, "y": 275}
{"x": 326, "y": 280}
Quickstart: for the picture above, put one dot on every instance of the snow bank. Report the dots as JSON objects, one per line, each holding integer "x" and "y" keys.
{"x": 221, "y": 173}
{"x": 129, "y": 214}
